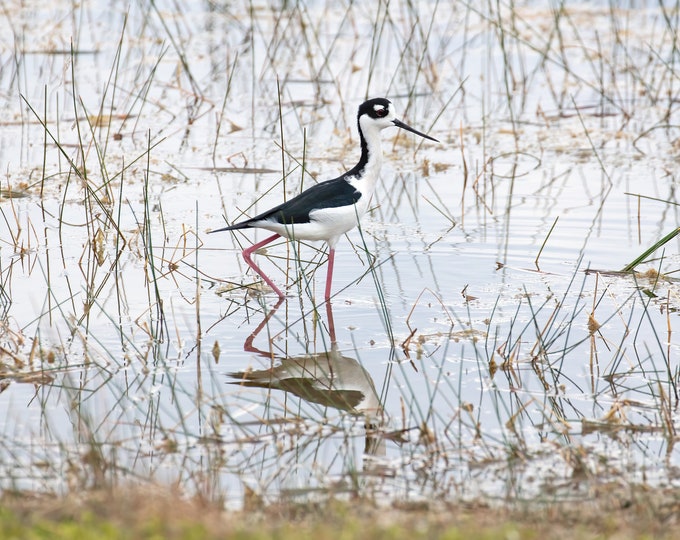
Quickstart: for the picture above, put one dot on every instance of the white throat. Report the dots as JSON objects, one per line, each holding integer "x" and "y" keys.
{"x": 371, "y": 134}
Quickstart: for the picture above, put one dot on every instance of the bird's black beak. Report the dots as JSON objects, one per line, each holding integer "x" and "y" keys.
{"x": 401, "y": 125}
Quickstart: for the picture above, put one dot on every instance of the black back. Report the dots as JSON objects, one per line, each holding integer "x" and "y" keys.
{"x": 329, "y": 194}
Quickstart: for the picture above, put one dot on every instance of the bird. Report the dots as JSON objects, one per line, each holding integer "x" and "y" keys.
{"x": 329, "y": 209}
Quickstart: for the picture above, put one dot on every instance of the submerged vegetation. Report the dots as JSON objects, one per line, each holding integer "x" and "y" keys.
{"x": 504, "y": 324}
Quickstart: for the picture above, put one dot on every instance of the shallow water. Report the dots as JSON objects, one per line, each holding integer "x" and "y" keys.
{"x": 123, "y": 318}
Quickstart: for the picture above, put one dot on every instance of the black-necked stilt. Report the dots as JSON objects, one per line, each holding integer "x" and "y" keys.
{"x": 329, "y": 209}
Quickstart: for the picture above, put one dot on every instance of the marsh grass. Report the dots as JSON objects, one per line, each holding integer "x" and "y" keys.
{"x": 653, "y": 248}
{"x": 536, "y": 383}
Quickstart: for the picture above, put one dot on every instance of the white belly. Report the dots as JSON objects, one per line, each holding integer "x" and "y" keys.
{"x": 327, "y": 224}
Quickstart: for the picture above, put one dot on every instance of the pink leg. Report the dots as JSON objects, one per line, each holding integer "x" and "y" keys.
{"x": 249, "y": 251}
{"x": 329, "y": 275}
{"x": 331, "y": 322}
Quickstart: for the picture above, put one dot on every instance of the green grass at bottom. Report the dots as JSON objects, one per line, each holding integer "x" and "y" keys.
{"x": 157, "y": 515}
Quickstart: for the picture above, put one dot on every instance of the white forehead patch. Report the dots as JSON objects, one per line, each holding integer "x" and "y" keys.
{"x": 377, "y": 108}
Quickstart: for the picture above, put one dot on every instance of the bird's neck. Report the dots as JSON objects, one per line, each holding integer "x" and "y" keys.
{"x": 368, "y": 168}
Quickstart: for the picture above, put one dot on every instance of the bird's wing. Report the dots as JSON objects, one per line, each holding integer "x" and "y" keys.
{"x": 329, "y": 194}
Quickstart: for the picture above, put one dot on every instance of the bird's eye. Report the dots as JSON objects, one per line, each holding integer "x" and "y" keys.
{"x": 381, "y": 113}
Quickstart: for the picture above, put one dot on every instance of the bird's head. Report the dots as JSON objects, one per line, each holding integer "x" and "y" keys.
{"x": 378, "y": 113}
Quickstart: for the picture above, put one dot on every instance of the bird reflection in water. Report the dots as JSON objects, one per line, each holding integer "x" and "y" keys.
{"x": 327, "y": 378}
